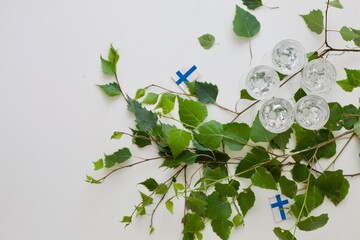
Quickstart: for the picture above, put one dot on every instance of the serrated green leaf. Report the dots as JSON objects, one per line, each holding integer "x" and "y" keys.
{"x": 315, "y": 193}
{"x": 357, "y": 128}
{"x": 336, "y": 4}
{"x": 193, "y": 223}
{"x": 108, "y": 68}
{"x": 258, "y": 133}
{"x": 357, "y": 41}
{"x": 185, "y": 157}
{"x": 283, "y": 234}
{"x": 303, "y": 205}
{"x": 151, "y": 98}
{"x": 346, "y": 85}
{"x": 246, "y": 200}
{"x": 139, "y": 93}
{"x": 252, "y": 4}
{"x": 288, "y": 187}
{"x": 178, "y": 140}
{"x": 218, "y": 207}
{"x": 313, "y": 223}
{"x": 167, "y": 102}
{"x": 99, "y": 164}
{"x": 255, "y": 157}
{"x": 178, "y": 187}
{"x": 335, "y": 121}
{"x": 212, "y": 174}
{"x": 191, "y": 113}
{"x": 300, "y": 172}
{"x": 334, "y": 185}
{"x": 117, "y": 157}
{"x": 312, "y": 56}
{"x": 245, "y": 24}
{"x": 197, "y": 203}
{"x": 210, "y": 134}
{"x": 141, "y": 138}
{"x": 161, "y": 189}
{"x": 206, "y": 92}
{"x": 238, "y": 220}
{"x": 145, "y": 120}
{"x": 140, "y": 211}
{"x": 199, "y": 236}
{"x": 110, "y": 89}
{"x": 314, "y": 20}
{"x": 274, "y": 167}
{"x": 222, "y": 228}
{"x": 92, "y": 180}
{"x": 126, "y": 219}
{"x": 229, "y": 189}
{"x": 281, "y": 140}
{"x": 133, "y": 105}
{"x": 206, "y": 40}
{"x": 150, "y": 184}
{"x": 347, "y": 34}
{"x": 353, "y": 76}
{"x": 116, "y": 135}
{"x": 236, "y": 135}
{"x": 351, "y": 116}
{"x": 245, "y": 95}
{"x": 113, "y": 55}
{"x": 146, "y": 200}
{"x": 263, "y": 179}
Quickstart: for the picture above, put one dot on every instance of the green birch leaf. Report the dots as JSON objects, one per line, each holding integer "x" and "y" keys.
{"x": 133, "y": 105}
{"x": 263, "y": 179}
{"x": 351, "y": 116}
{"x": 299, "y": 94}
{"x": 346, "y": 85}
{"x": 218, "y": 206}
{"x": 334, "y": 185}
{"x": 199, "y": 236}
{"x": 222, "y": 228}
{"x": 126, "y": 219}
{"x": 193, "y": 223}
{"x": 210, "y": 134}
{"x": 357, "y": 41}
{"x": 230, "y": 189}
{"x": 116, "y": 135}
{"x": 161, "y": 189}
{"x": 353, "y": 76}
{"x": 288, "y": 187}
{"x": 281, "y": 140}
{"x": 150, "y": 184}
{"x": 151, "y": 98}
{"x": 245, "y": 95}
{"x": 303, "y": 206}
{"x": 236, "y": 135}
{"x": 283, "y": 234}
{"x": 167, "y": 102}
{"x": 238, "y": 220}
{"x": 99, "y": 164}
{"x": 117, "y": 157}
{"x": 178, "y": 140}
{"x": 197, "y": 202}
{"x": 246, "y": 200}
{"x": 336, "y": 116}
{"x": 141, "y": 138}
{"x": 92, "y": 180}
{"x": 347, "y": 34}
{"x": 178, "y": 187}
{"x": 113, "y": 55}
{"x": 206, "y": 92}
{"x": 110, "y": 89}
{"x": 258, "y": 133}
{"x": 357, "y": 128}
{"x": 316, "y": 193}
{"x": 191, "y": 113}
{"x": 245, "y": 24}
{"x": 314, "y": 20}
{"x": 255, "y": 157}
{"x": 107, "y": 67}
{"x": 300, "y": 172}
{"x": 186, "y": 157}
{"x": 312, "y": 56}
{"x": 139, "y": 93}
{"x": 206, "y": 40}
{"x": 252, "y": 4}
{"x": 313, "y": 223}
{"x": 145, "y": 120}
{"x": 146, "y": 200}
{"x": 336, "y": 4}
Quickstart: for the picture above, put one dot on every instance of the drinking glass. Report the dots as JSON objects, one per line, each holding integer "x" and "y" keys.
{"x": 288, "y": 57}
{"x": 262, "y": 82}
{"x": 312, "y": 112}
{"x": 276, "y": 115}
{"x": 318, "y": 76}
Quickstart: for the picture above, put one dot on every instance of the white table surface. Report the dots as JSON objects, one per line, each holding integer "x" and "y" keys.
{"x": 54, "y": 120}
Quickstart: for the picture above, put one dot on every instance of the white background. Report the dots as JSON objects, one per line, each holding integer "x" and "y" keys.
{"x": 55, "y": 121}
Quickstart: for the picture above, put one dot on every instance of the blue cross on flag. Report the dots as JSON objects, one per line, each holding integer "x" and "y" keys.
{"x": 277, "y": 204}
{"x": 185, "y": 74}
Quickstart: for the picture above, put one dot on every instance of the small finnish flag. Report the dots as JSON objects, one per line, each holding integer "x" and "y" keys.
{"x": 185, "y": 74}
{"x": 279, "y": 206}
